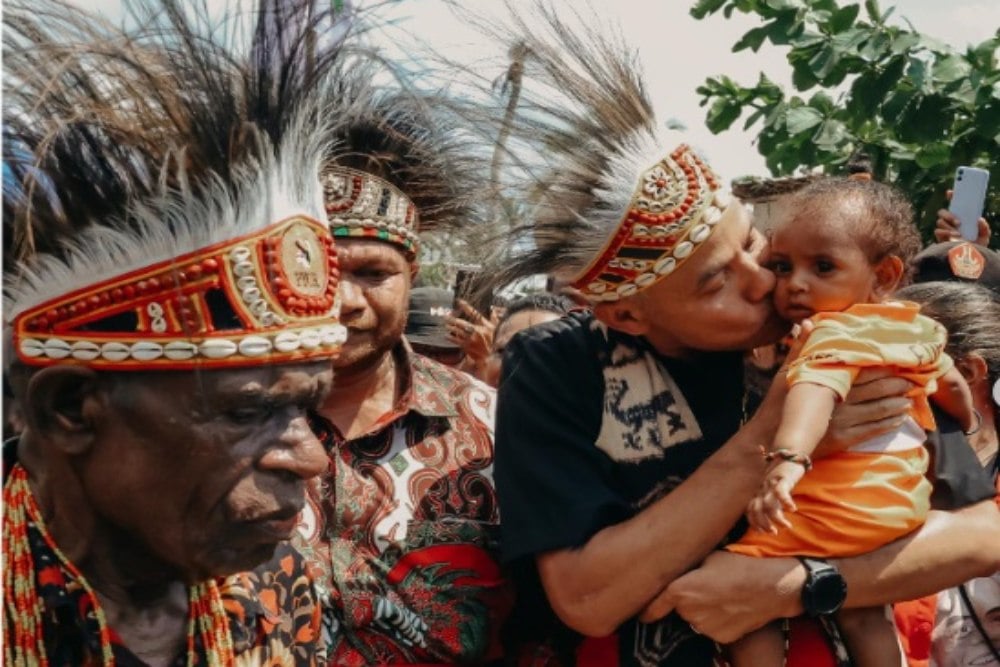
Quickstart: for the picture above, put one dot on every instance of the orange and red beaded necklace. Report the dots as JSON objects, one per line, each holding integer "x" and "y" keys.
{"x": 22, "y": 620}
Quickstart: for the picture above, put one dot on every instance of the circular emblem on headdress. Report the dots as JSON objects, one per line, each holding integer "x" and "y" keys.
{"x": 664, "y": 188}
{"x": 304, "y": 260}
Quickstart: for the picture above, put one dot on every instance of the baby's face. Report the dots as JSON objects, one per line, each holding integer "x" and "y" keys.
{"x": 819, "y": 266}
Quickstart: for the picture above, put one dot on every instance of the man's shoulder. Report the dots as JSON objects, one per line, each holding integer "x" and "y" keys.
{"x": 578, "y": 331}
{"x": 559, "y": 361}
{"x": 443, "y": 391}
{"x": 435, "y": 371}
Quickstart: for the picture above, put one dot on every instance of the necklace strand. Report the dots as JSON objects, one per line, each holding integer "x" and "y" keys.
{"x": 22, "y": 620}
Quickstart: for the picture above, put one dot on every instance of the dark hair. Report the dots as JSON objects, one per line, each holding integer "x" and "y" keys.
{"x": 969, "y": 312}
{"x": 546, "y": 301}
{"x": 859, "y": 163}
{"x": 882, "y": 216}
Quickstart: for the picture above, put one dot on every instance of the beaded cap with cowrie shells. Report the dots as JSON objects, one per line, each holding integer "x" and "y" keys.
{"x": 611, "y": 198}
{"x": 175, "y": 190}
{"x": 362, "y": 205}
{"x": 401, "y": 166}
{"x": 264, "y": 298}
{"x": 676, "y": 205}
{"x": 241, "y": 272}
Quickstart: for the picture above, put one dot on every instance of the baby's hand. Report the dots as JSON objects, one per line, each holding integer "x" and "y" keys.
{"x": 775, "y": 496}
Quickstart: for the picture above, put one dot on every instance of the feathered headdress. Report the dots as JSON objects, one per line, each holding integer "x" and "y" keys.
{"x": 160, "y": 186}
{"x": 401, "y": 167}
{"x": 615, "y": 202}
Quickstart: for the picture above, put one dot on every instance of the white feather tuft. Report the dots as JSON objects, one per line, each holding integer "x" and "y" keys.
{"x": 279, "y": 185}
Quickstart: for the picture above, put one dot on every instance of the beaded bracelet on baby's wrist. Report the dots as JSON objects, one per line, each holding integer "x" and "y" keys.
{"x": 783, "y": 454}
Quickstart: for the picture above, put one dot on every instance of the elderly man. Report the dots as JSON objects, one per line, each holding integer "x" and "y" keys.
{"x": 165, "y": 354}
{"x": 625, "y": 453}
{"x": 402, "y": 533}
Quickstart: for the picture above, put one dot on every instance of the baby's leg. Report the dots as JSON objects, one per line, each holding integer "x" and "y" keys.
{"x": 870, "y": 637}
{"x": 761, "y": 648}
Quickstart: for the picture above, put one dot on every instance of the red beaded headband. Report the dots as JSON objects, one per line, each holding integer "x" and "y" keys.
{"x": 264, "y": 298}
{"x": 362, "y": 205}
{"x": 674, "y": 209}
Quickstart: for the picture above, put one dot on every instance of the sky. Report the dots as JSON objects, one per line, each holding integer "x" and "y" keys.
{"x": 677, "y": 52}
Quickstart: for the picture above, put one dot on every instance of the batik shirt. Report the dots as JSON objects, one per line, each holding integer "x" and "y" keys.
{"x": 401, "y": 533}
{"x": 273, "y": 615}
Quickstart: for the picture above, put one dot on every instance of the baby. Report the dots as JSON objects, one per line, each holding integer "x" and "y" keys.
{"x": 838, "y": 260}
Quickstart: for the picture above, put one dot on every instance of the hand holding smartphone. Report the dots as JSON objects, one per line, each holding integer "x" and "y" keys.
{"x": 968, "y": 198}
{"x": 464, "y": 277}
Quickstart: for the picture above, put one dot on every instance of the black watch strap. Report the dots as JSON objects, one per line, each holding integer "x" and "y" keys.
{"x": 825, "y": 589}
{"x": 816, "y": 566}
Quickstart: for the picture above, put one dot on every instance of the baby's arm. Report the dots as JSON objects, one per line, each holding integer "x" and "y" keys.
{"x": 805, "y": 418}
{"x": 955, "y": 397}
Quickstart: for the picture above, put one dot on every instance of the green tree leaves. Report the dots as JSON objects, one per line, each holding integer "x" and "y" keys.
{"x": 801, "y": 119}
{"x": 918, "y": 107}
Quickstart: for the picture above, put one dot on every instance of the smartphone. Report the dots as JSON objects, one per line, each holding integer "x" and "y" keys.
{"x": 968, "y": 198}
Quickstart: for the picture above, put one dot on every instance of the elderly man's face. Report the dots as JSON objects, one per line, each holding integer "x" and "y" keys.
{"x": 719, "y": 299}
{"x": 206, "y": 470}
{"x": 375, "y": 296}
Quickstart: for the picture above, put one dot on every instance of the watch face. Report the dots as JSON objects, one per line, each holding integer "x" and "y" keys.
{"x": 826, "y": 593}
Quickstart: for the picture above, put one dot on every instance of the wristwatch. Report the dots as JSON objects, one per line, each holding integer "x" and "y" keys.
{"x": 825, "y": 589}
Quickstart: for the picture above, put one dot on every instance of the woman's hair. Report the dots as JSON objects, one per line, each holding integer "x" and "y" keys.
{"x": 969, "y": 312}
{"x": 880, "y": 215}
{"x": 545, "y": 301}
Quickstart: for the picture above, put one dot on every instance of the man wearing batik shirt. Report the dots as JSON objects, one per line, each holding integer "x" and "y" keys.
{"x": 402, "y": 532}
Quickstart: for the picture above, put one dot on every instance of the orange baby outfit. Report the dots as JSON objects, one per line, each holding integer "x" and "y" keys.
{"x": 858, "y": 500}
{"x": 869, "y": 335}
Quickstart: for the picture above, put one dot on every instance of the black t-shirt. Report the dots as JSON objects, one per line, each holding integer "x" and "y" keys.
{"x": 959, "y": 480}
{"x": 592, "y": 427}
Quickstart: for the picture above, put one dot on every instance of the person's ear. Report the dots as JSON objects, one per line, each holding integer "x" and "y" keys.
{"x": 625, "y": 315}
{"x": 60, "y": 405}
{"x": 888, "y": 273}
{"x": 973, "y": 368}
